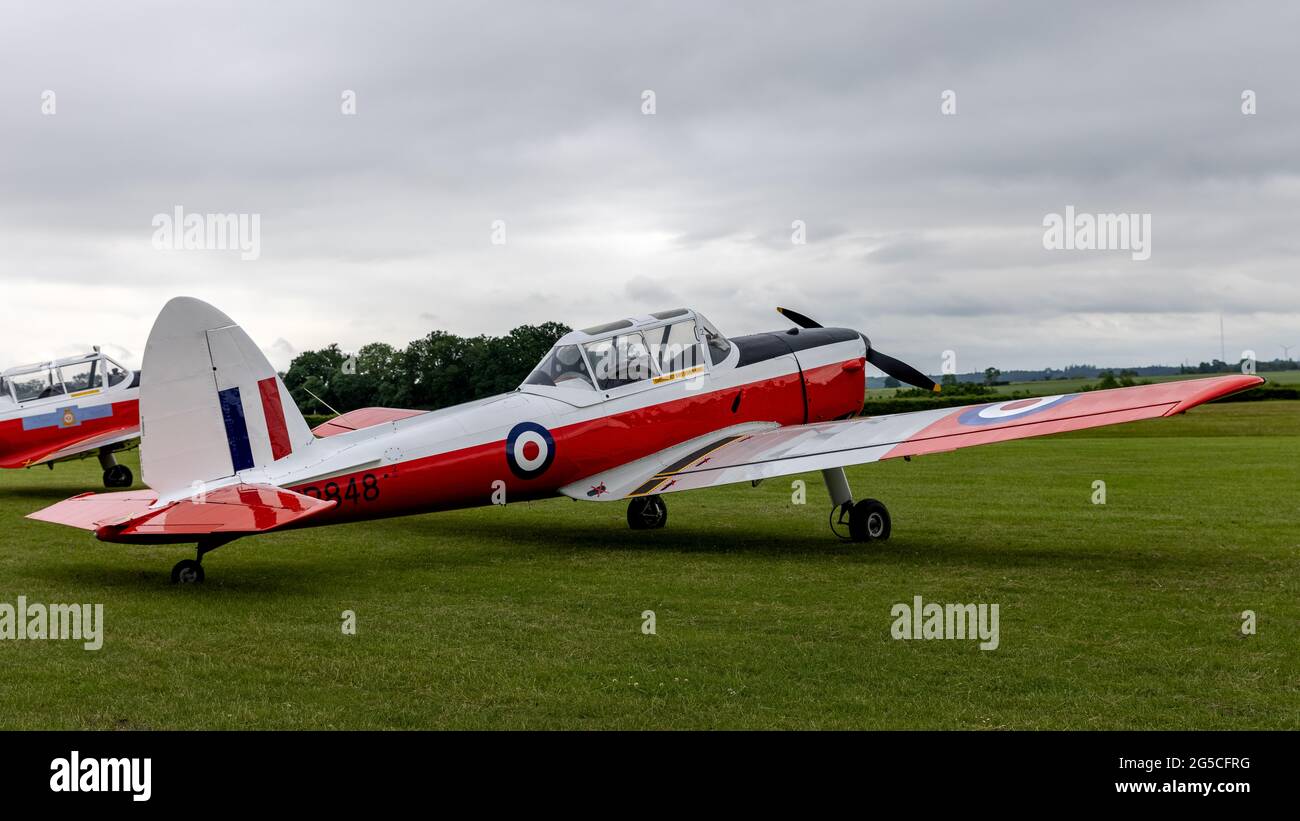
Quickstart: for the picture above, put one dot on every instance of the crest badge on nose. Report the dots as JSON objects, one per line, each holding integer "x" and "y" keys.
{"x": 530, "y": 449}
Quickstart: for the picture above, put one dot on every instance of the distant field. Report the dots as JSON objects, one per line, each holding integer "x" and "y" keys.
{"x": 1123, "y": 615}
{"x": 1055, "y": 386}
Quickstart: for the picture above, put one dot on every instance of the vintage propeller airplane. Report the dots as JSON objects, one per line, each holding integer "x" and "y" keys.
{"x": 630, "y": 410}
{"x": 55, "y": 411}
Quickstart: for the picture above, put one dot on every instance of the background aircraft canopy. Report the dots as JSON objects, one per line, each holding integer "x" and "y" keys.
{"x": 61, "y": 377}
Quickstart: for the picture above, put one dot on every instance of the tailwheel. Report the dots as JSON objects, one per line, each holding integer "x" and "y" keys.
{"x": 190, "y": 571}
{"x": 187, "y": 571}
{"x": 118, "y": 476}
{"x": 869, "y": 521}
{"x": 647, "y": 513}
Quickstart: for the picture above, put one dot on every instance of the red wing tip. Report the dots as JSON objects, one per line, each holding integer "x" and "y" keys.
{"x": 1248, "y": 380}
{"x": 1217, "y": 388}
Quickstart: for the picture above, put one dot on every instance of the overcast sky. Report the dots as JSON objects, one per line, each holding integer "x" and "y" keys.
{"x": 924, "y": 230}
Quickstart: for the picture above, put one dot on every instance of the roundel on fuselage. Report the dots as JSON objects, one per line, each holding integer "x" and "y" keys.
{"x": 530, "y": 449}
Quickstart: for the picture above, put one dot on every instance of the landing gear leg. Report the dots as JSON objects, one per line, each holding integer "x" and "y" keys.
{"x": 867, "y": 520}
{"x": 647, "y": 513}
{"x": 190, "y": 571}
{"x": 115, "y": 475}
{"x": 837, "y": 485}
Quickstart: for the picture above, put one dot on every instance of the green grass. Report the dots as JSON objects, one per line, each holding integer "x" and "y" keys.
{"x": 1118, "y": 616}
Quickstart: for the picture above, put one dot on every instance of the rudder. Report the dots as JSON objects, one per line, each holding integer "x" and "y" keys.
{"x": 211, "y": 405}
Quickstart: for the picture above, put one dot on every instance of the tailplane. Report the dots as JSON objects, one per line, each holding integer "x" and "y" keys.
{"x": 136, "y": 517}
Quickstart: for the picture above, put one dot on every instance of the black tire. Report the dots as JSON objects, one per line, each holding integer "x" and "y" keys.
{"x": 647, "y": 513}
{"x": 187, "y": 571}
{"x": 869, "y": 521}
{"x": 118, "y": 476}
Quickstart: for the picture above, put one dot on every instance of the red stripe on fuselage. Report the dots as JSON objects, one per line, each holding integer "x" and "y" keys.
{"x": 276, "y": 429}
{"x": 464, "y": 478}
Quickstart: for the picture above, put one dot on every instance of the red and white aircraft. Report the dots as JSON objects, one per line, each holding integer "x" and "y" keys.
{"x": 630, "y": 411}
{"x": 54, "y": 411}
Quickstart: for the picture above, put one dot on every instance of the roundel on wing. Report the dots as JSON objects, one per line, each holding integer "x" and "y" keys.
{"x": 1011, "y": 411}
{"x": 530, "y": 449}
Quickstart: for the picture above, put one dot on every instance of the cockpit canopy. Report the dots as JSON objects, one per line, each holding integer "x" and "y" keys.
{"x": 60, "y": 378}
{"x": 629, "y": 351}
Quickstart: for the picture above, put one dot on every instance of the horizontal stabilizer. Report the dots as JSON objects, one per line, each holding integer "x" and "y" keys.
{"x": 89, "y": 509}
{"x": 135, "y": 517}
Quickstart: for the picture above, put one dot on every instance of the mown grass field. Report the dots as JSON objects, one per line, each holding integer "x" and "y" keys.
{"x": 1126, "y": 615}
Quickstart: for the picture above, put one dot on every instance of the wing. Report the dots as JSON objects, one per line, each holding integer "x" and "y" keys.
{"x": 86, "y": 445}
{"x": 66, "y": 449}
{"x": 748, "y": 455}
{"x": 362, "y": 418}
{"x": 639, "y": 477}
{"x": 135, "y": 516}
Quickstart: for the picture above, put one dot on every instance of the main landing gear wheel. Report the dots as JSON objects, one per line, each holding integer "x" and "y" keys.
{"x": 187, "y": 571}
{"x": 118, "y": 476}
{"x": 869, "y": 521}
{"x": 647, "y": 513}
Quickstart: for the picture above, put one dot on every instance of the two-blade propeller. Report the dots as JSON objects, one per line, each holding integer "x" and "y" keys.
{"x": 896, "y": 368}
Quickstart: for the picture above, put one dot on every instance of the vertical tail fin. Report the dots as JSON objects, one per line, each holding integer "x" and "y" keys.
{"x": 211, "y": 405}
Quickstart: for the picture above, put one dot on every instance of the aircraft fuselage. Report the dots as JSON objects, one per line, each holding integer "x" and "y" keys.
{"x": 527, "y": 444}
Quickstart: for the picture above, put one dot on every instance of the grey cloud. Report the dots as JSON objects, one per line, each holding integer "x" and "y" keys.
{"x": 921, "y": 228}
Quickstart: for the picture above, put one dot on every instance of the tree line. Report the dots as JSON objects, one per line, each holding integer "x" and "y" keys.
{"x": 435, "y": 371}
{"x": 1219, "y": 366}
